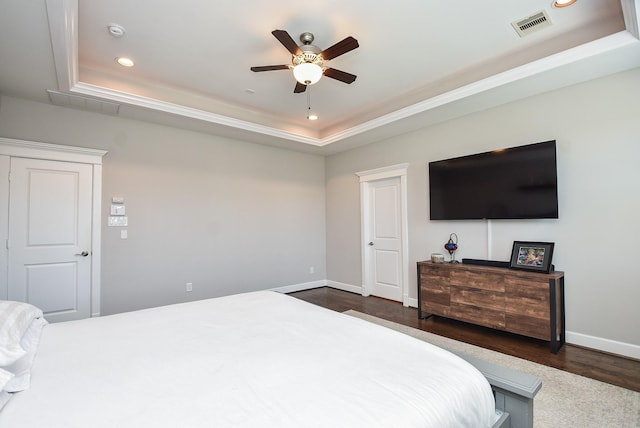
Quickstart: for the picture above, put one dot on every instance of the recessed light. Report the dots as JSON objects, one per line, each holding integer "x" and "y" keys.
{"x": 563, "y": 3}
{"x": 124, "y": 61}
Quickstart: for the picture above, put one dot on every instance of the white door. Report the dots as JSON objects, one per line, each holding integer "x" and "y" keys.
{"x": 49, "y": 251}
{"x": 385, "y": 239}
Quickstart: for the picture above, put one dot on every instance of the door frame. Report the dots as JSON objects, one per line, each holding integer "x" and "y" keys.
{"x": 366, "y": 177}
{"x": 36, "y": 150}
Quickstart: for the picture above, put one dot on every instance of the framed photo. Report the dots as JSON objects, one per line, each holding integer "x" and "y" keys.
{"x": 532, "y": 256}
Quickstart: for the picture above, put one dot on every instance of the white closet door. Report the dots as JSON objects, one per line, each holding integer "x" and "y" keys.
{"x": 386, "y": 238}
{"x": 50, "y": 216}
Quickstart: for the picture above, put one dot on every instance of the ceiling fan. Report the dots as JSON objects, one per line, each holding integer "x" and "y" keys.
{"x": 307, "y": 60}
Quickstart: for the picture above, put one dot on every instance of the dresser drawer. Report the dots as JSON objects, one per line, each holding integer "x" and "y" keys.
{"x": 481, "y": 316}
{"x": 436, "y": 309}
{"x": 531, "y": 299}
{"x": 528, "y": 326}
{"x": 482, "y": 280}
{"x": 478, "y": 297}
{"x": 436, "y": 292}
{"x": 433, "y": 274}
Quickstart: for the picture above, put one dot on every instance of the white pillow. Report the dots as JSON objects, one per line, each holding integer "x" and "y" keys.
{"x": 5, "y": 377}
{"x": 4, "y": 398}
{"x": 15, "y": 318}
{"x": 22, "y": 367}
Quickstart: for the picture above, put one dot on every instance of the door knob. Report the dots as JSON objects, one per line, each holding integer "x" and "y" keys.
{"x": 83, "y": 254}
{"x": 371, "y": 244}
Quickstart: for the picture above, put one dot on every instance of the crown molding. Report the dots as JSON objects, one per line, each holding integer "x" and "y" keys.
{"x": 631, "y": 13}
{"x": 63, "y": 27}
{"x": 192, "y": 113}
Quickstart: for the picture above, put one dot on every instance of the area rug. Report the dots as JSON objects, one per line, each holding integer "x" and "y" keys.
{"x": 565, "y": 400}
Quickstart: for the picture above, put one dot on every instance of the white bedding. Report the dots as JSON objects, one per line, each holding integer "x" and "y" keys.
{"x": 257, "y": 359}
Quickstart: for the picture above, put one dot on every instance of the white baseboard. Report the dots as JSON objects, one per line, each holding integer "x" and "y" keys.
{"x": 345, "y": 287}
{"x": 316, "y": 284}
{"x": 606, "y": 345}
{"x": 300, "y": 287}
{"x": 412, "y": 302}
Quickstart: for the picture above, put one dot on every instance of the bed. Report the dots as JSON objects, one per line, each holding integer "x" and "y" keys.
{"x": 254, "y": 359}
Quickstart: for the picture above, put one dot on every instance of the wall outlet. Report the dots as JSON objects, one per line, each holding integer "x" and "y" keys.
{"x": 189, "y": 287}
{"x": 312, "y": 269}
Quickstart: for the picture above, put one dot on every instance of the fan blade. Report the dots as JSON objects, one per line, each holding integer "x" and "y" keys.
{"x": 342, "y": 47}
{"x": 270, "y": 68}
{"x": 340, "y": 75}
{"x": 300, "y": 87}
{"x": 286, "y": 40}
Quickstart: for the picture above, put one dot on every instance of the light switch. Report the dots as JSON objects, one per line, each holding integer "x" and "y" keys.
{"x": 118, "y": 220}
{"x": 123, "y": 234}
{"x": 117, "y": 209}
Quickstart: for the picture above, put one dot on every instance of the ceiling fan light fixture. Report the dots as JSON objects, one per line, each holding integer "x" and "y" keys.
{"x": 307, "y": 73}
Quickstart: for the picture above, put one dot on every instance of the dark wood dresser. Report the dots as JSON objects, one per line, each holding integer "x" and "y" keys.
{"x": 522, "y": 302}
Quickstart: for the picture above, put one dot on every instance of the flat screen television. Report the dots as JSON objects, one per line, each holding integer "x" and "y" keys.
{"x": 514, "y": 183}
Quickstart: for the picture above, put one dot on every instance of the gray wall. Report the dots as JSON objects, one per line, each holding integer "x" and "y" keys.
{"x": 598, "y": 143}
{"x": 231, "y": 216}
{"x": 225, "y": 215}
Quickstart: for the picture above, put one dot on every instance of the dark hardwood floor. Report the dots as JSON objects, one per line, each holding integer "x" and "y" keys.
{"x": 616, "y": 370}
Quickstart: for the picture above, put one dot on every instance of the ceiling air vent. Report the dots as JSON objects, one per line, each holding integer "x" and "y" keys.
{"x": 83, "y": 103}
{"x": 533, "y": 23}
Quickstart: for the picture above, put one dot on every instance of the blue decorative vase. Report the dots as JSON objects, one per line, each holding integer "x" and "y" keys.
{"x": 451, "y": 246}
